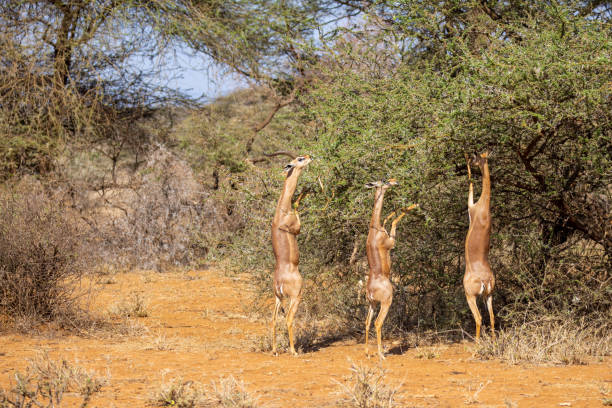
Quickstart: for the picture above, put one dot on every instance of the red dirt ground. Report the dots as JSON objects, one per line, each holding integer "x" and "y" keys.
{"x": 199, "y": 328}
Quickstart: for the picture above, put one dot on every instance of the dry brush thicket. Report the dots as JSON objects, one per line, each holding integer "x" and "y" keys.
{"x": 43, "y": 257}
{"x": 160, "y": 217}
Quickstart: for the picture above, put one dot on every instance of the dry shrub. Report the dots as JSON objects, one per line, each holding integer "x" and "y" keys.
{"x": 134, "y": 306}
{"x": 366, "y": 388}
{"x": 226, "y": 393}
{"x": 230, "y": 393}
{"x": 551, "y": 340}
{"x": 129, "y": 328}
{"x": 263, "y": 343}
{"x": 45, "y": 382}
{"x": 42, "y": 257}
{"x": 180, "y": 394}
{"x": 148, "y": 223}
{"x": 159, "y": 217}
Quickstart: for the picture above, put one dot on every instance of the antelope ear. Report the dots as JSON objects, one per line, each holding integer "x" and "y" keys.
{"x": 289, "y": 167}
{"x": 485, "y": 154}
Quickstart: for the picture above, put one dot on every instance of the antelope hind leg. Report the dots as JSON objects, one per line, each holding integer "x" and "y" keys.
{"x": 380, "y": 319}
{"x": 491, "y": 315}
{"x": 471, "y": 299}
{"x": 368, "y": 323}
{"x": 277, "y": 306}
{"x": 293, "y": 305}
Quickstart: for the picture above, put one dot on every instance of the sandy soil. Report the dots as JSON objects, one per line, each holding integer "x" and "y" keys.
{"x": 199, "y": 328}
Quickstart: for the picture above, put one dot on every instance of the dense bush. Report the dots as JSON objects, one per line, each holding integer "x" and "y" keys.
{"x": 542, "y": 105}
{"x": 42, "y": 257}
{"x": 156, "y": 217}
{"x": 534, "y": 90}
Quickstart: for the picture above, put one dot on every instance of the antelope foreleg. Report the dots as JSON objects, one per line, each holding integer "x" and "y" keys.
{"x": 471, "y": 195}
{"x": 469, "y": 169}
{"x": 297, "y": 202}
{"x": 387, "y": 219}
{"x": 394, "y": 224}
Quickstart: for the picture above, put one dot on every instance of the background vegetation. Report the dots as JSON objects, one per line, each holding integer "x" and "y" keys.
{"x": 372, "y": 89}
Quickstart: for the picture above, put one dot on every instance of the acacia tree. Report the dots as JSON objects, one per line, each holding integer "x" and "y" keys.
{"x": 539, "y": 98}
{"x": 89, "y": 59}
{"x": 70, "y": 69}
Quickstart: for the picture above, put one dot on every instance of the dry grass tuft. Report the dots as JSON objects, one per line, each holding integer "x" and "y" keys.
{"x": 230, "y": 393}
{"x": 312, "y": 330}
{"x": 309, "y": 336}
{"x": 226, "y": 393}
{"x": 162, "y": 343}
{"x": 552, "y": 341}
{"x": 46, "y": 382}
{"x": 472, "y": 394}
{"x": 428, "y": 352}
{"x": 129, "y": 328}
{"x": 180, "y": 394}
{"x": 366, "y": 388}
{"x": 263, "y": 343}
{"x": 134, "y": 306}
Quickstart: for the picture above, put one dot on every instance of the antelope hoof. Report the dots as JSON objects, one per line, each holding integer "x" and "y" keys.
{"x": 275, "y": 353}
{"x": 381, "y": 355}
{"x": 294, "y": 353}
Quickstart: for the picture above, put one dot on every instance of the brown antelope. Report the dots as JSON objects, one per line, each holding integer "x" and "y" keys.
{"x": 378, "y": 248}
{"x": 285, "y": 228}
{"x": 478, "y": 279}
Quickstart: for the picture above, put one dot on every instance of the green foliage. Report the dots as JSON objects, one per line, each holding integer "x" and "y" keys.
{"x": 540, "y": 100}
{"x": 406, "y": 96}
{"x": 541, "y": 104}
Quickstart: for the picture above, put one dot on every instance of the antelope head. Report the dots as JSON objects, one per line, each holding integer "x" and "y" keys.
{"x": 382, "y": 183}
{"x": 298, "y": 162}
{"x": 479, "y": 159}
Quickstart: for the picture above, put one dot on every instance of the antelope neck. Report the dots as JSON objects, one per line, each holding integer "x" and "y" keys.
{"x": 284, "y": 202}
{"x": 378, "y": 204}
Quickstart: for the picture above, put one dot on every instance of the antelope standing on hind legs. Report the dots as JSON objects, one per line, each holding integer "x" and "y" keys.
{"x": 378, "y": 247}
{"x": 478, "y": 279}
{"x": 285, "y": 228}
